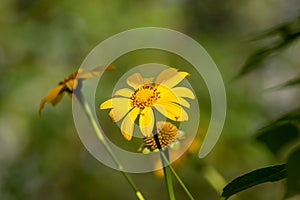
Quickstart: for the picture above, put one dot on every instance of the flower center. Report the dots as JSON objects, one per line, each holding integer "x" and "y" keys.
{"x": 145, "y": 96}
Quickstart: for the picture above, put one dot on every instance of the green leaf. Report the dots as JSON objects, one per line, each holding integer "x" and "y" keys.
{"x": 263, "y": 175}
{"x": 293, "y": 175}
{"x": 283, "y": 35}
{"x": 278, "y": 135}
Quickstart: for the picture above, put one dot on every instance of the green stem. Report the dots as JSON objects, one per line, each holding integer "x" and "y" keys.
{"x": 100, "y": 136}
{"x": 178, "y": 178}
{"x": 165, "y": 164}
{"x": 168, "y": 176}
{"x": 167, "y": 168}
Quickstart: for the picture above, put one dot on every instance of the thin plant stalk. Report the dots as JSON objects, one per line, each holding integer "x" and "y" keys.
{"x": 168, "y": 169}
{"x": 178, "y": 178}
{"x": 168, "y": 177}
{"x": 167, "y": 174}
{"x": 100, "y": 136}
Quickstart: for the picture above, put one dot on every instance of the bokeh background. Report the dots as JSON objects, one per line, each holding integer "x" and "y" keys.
{"x": 43, "y": 41}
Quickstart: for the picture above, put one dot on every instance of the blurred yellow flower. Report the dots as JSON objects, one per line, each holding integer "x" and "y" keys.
{"x": 161, "y": 95}
{"x": 70, "y": 84}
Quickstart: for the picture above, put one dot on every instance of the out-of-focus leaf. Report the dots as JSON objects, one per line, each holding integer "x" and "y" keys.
{"x": 293, "y": 174}
{"x": 277, "y": 135}
{"x": 255, "y": 60}
{"x": 293, "y": 115}
{"x": 267, "y": 174}
{"x": 284, "y": 35}
{"x": 292, "y": 82}
{"x": 285, "y": 30}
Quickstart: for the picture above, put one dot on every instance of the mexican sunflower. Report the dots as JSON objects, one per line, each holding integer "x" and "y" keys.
{"x": 70, "y": 84}
{"x": 145, "y": 95}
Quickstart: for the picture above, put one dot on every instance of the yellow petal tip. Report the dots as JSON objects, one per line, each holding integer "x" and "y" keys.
{"x": 126, "y": 136}
{"x": 111, "y": 116}
{"x": 106, "y": 104}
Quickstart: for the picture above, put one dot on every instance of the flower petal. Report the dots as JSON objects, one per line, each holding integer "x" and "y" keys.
{"x": 128, "y": 123}
{"x": 183, "y": 92}
{"x": 164, "y": 75}
{"x": 172, "y": 111}
{"x": 124, "y": 92}
{"x": 170, "y": 77}
{"x": 166, "y": 95}
{"x": 57, "y": 99}
{"x": 86, "y": 75}
{"x": 146, "y": 121}
{"x": 184, "y": 102}
{"x": 53, "y": 97}
{"x": 94, "y": 71}
{"x": 117, "y": 114}
{"x": 52, "y": 94}
{"x": 71, "y": 84}
{"x": 120, "y": 106}
{"x": 106, "y": 104}
{"x": 136, "y": 80}
{"x": 42, "y": 103}
{"x": 147, "y": 80}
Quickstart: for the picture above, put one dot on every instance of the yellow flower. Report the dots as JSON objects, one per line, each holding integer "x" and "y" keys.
{"x": 69, "y": 85}
{"x": 146, "y": 95}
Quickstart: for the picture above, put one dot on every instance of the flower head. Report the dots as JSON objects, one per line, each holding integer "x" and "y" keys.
{"x": 144, "y": 96}
{"x": 69, "y": 85}
{"x": 166, "y": 132}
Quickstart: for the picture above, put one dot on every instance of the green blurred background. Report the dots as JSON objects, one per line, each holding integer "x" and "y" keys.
{"x": 43, "y": 41}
